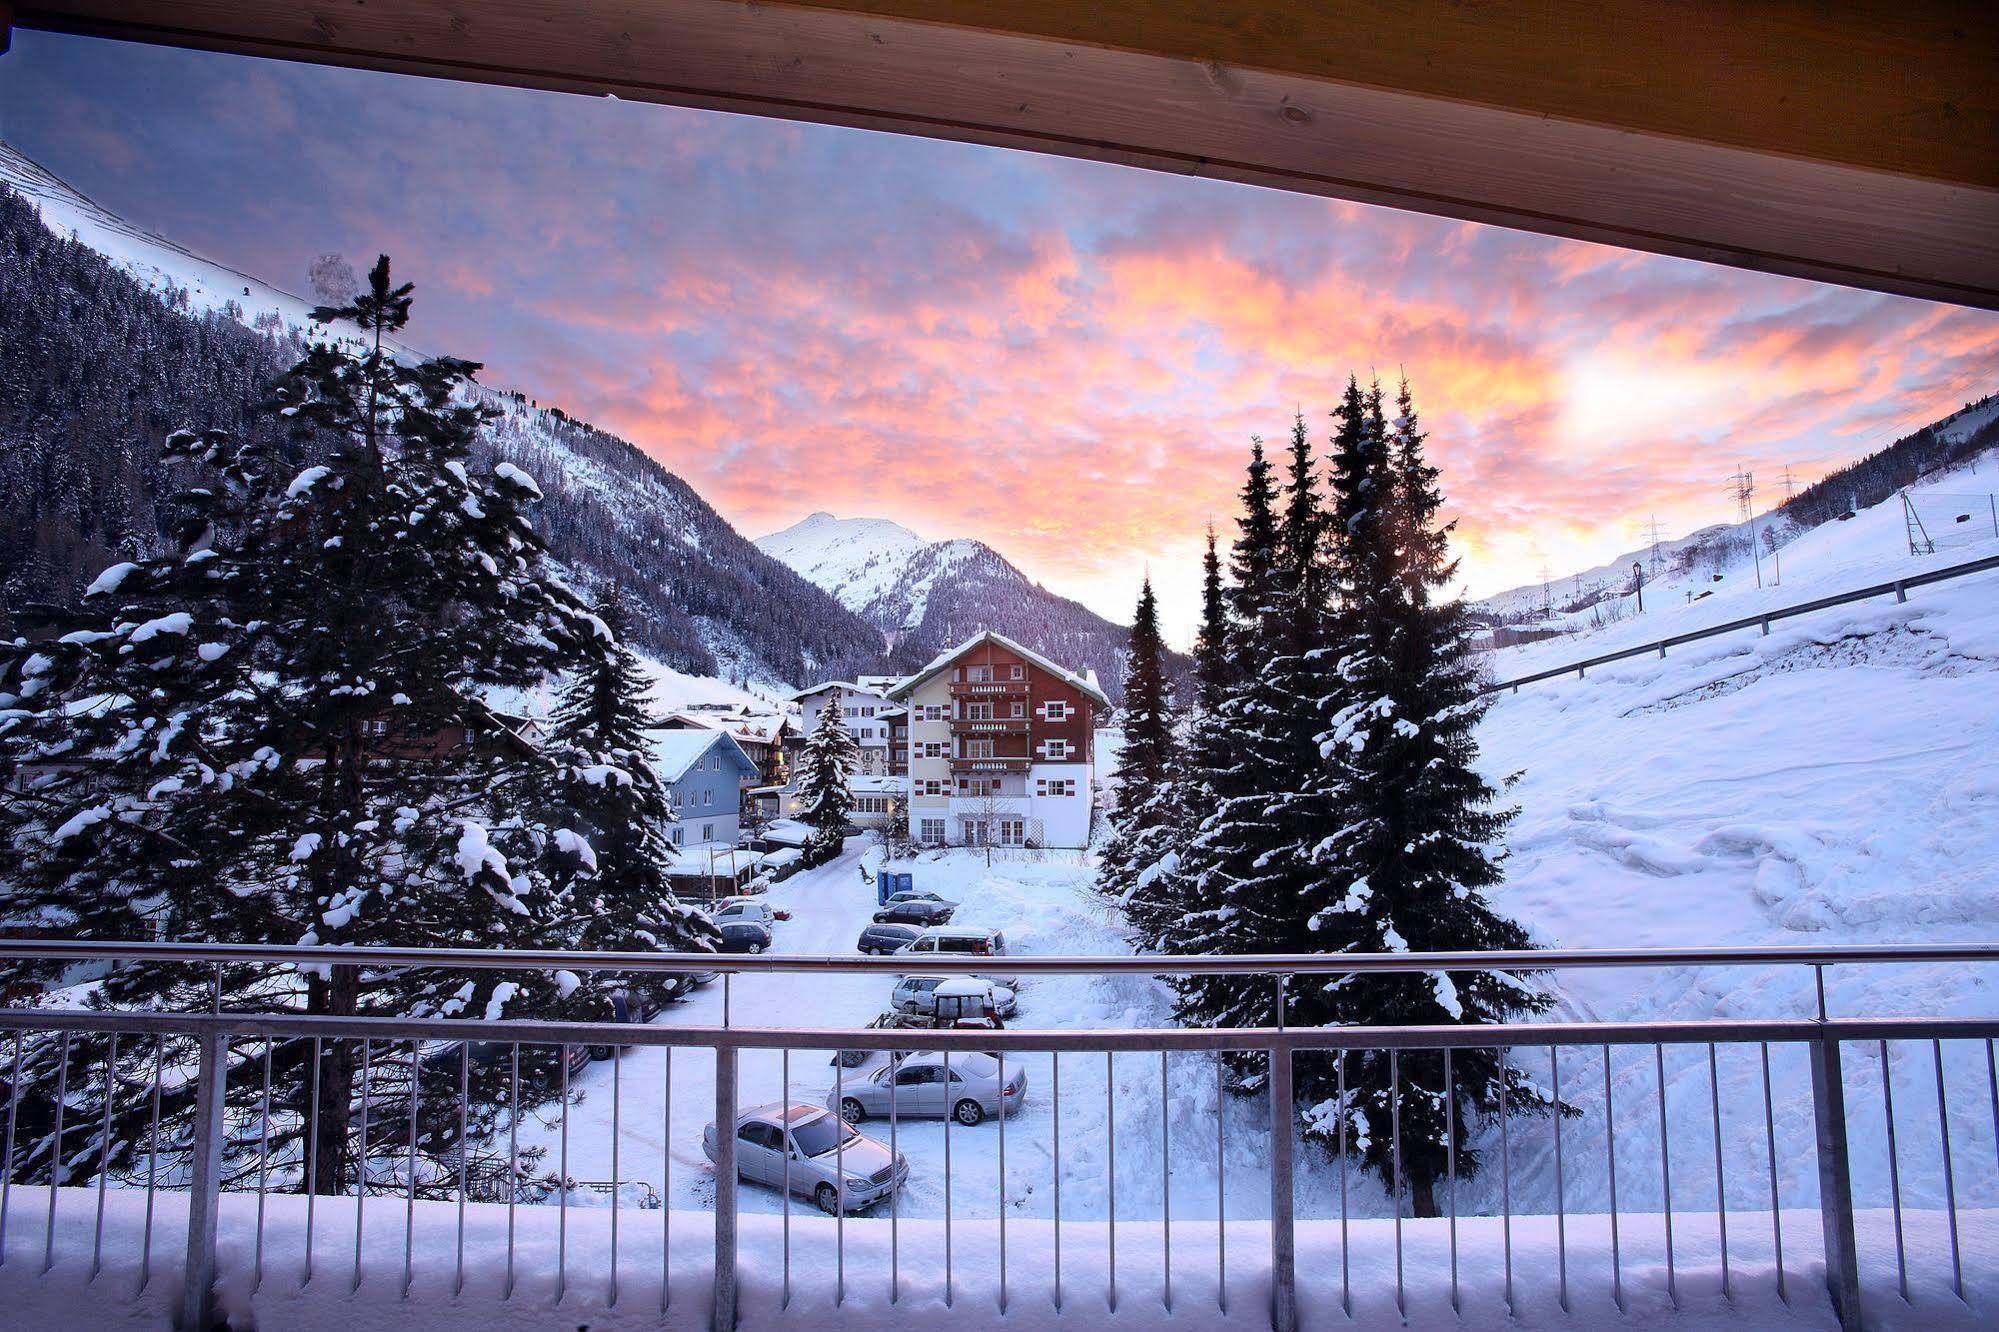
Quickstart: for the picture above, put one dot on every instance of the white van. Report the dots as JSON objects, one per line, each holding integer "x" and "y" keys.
{"x": 962, "y": 941}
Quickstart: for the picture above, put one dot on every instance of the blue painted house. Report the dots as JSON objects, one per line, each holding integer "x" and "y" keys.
{"x": 705, "y": 772}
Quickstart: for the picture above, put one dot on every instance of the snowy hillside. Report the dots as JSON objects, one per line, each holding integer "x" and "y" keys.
{"x": 1834, "y": 782}
{"x": 183, "y": 279}
{"x": 926, "y": 595}
{"x": 188, "y": 340}
{"x": 1936, "y": 462}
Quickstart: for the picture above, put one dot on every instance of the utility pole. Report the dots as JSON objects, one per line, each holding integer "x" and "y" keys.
{"x": 1743, "y": 486}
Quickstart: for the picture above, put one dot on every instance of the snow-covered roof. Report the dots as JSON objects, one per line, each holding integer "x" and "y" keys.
{"x": 1084, "y": 681}
{"x": 879, "y": 691}
{"x": 871, "y": 785}
{"x": 763, "y": 727}
{"x": 674, "y": 752}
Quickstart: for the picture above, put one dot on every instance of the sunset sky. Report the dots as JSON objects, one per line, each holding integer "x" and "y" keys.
{"x": 1063, "y": 359}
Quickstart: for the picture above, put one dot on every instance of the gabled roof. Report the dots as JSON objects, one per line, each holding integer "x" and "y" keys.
{"x": 822, "y": 687}
{"x": 1084, "y": 681}
{"x": 675, "y": 752}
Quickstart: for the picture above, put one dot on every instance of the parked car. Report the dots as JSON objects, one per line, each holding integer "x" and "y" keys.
{"x": 967, "y": 1087}
{"x": 886, "y": 938}
{"x": 918, "y": 994}
{"x": 727, "y": 902}
{"x": 444, "y": 1054}
{"x": 919, "y": 895}
{"x": 744, "y": 908}
{"x": 626, "y": 1006}
{"x": 829, "y": 1162}
{"x": 963, "y": 941}
{"x": 743, "y": 936}
{"x": 905, "y": 909}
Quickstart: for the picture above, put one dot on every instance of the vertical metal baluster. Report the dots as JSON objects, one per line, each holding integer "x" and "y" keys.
{"x": 726, "y": 977}
{"x": 513, "y": 1162}
{"x": 464, "y": 1161}
{"x": 1505, "y": 1178}
{"x": 666, "y": 1183}
{"x": 1002, "y": 1179}
{"x": 1561, "y": 1192}
{"x": 840, "y": 1169}
{"x": 1720, "y": 1183}
{"x": 948, "y": 1292}
{"x": 1165, "y": 1182}
{"x": 152, "y": 1163}
{"x": 1610, "y": 1163}
{"x": 1395, "y": 1180}
{"x": 7, "y": 1167}
{"x": 1110, "y": 1162}
{"x": 562, "y": 1180}
{"x": 56, "y": 1164}
{"x": 1949, "y": 1174}
{"x": 617, "y": 1133}
{"x": 1221, "y": 1190}
{"x": 1451, "y": 1165}
{"x": 1991, "y": 1083}
{"x": 1894, "y": 1172}
{"x": 361, "y": 1170}
{"x": 1055, "y": 1095}
{"x": 784, "y": 1099}
{"x": 409, "y": 1206}
{"x": 1666, "y": 1174}
{"x": 311, "y": 1157}
{"x": 263, "y": 1168}
{"x": 894, "y": 1199}
{"x": 104, "y": 1157}
{"x": 1770, "y": 1141}
{"x": 1346, "y": 1271}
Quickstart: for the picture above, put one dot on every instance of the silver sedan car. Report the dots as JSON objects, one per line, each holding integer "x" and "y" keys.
{"x": 823, "y": 1154}
{"x": 975, "y": 1085}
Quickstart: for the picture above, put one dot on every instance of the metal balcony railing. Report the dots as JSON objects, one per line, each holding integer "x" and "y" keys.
{"x": 1899, "y": 586}
{"x": 226, "y": 1158}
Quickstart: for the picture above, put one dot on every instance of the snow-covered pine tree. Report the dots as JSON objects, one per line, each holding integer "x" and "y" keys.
{"x": 825, "y": 800}
{"x": 1143, "y": 766}
{"x": 600, "y": 723}
{"x": 1241, "y": 876}
{"x": 1417, "y": 840}
{"x": 280, "y": 734}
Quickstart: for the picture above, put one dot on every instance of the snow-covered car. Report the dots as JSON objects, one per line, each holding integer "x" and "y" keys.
{"x": 743, "y": 936}
{"x": 967, "y": 1087}
{"x": 727, "y": 902}
{"x": 968, "y": 995}
{"x": 819, "y": 1154}
{"x": 886, "y": 938}
{"x": 743, "y": 908}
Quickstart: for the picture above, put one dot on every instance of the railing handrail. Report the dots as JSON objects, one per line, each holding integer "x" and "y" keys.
{"x": 1145, "y": 964}
{"x": 1898, "y": 585}
{"x": 1066, "y": 1040}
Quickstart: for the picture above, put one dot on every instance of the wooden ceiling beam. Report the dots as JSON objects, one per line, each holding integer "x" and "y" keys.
{"x": 1854, "y": 143}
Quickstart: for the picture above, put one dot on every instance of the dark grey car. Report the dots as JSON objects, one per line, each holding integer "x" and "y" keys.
{"x": 886, "y": 938}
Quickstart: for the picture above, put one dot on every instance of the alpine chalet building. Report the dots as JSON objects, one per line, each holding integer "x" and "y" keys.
{"x": 1001, "y": 747}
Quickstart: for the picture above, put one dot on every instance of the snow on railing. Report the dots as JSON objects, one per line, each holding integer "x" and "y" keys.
{"x": 1764, "y": 619}
{"x": 465, "y": 1222}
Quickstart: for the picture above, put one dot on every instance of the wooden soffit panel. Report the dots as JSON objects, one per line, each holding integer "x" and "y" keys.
{"x": 1854, "y": 142}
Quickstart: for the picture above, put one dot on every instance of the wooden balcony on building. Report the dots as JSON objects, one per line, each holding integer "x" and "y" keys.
{"x": 989, "y": 689}
{"x": 993, "y": 763}
{"x": 990, "y": 725}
